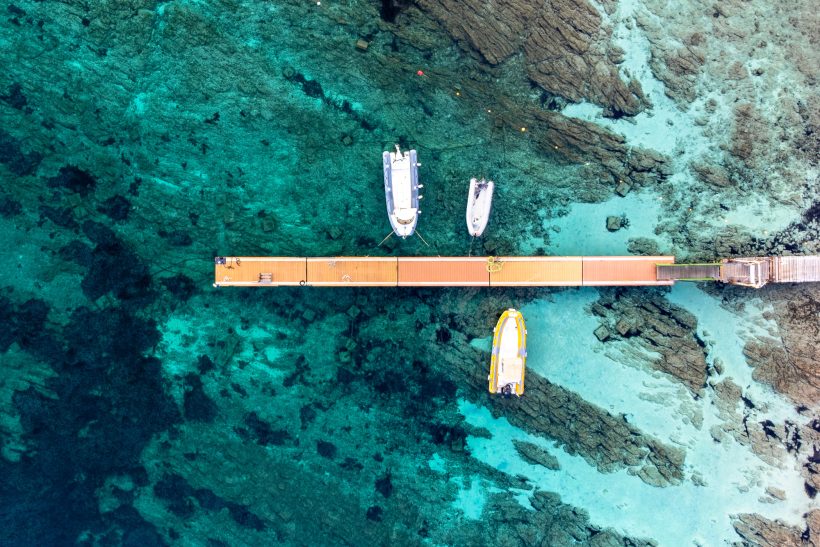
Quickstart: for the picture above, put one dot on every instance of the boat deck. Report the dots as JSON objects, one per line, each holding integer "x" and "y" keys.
{"x": 511, "y": 271}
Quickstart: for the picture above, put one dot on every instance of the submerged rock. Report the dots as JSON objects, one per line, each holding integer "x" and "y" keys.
{"x": 15, "y": 159}
{"x": 622, "y": 189}
{"x": 660, "y": 326}
{"x": 565, "y": 46}
{"x": 581, "y": 141}
{"x": 613, "y": 223}
{"x": 536, "y": 454}
{"x": 763, "y": 532}
{"x": 606, "y": 441}
{"x": 643, "y": 246}
{"x": 790, "y": 363}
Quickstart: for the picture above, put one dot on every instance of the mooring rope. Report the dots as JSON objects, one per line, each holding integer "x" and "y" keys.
{"x": 493, "y": 264}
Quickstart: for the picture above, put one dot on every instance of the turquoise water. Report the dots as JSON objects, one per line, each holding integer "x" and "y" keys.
{"x": 141, "y": 406}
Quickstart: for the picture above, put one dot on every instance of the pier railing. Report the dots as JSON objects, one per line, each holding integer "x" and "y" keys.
{"x": 749, "y": 272}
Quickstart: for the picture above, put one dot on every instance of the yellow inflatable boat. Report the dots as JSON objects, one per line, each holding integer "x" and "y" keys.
{"x": 509, "y": 359}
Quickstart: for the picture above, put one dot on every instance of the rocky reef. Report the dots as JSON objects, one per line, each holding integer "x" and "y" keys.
{"x": 756, "y": 530}
{"x": 565, "y": 44}
{"x": 660, "y": 327}
{"x": 789, "y": 363}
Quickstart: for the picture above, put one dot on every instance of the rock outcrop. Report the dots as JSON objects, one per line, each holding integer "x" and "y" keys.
{"x": 535, "y": 454}
{"x": 582, "y": 142}
{"x": 565, "y": 45}
{"x": 566, "y": 52}
{"x": 609, "y": 442}
{"x": 660, "y": 326}
{"x": 790, "y": 363}
{"x": 762, "y": 532}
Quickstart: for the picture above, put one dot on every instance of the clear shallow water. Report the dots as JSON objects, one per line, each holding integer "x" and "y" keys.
{"x": 583, "y": 231}
{"x": 730, "y": 479}
{"x": 141, "y": 407}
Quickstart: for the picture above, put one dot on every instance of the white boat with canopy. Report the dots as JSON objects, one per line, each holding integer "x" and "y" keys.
{"x": 401, "y": 190}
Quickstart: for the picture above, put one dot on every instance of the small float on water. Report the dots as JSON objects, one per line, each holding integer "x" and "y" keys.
{"x": 479, "y": 203}
{"x": 509, "y": 357}
{"x": 401, "y": 190}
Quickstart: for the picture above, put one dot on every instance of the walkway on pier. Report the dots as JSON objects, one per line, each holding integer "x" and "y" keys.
{"x": 437, "y": 271}
{"x": 750, "y": 272}
{"x": 506, "y": 271}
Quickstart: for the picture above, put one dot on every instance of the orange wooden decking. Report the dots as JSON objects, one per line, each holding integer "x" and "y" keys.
{"x": 254, "y": 270}
{"x": 624, "y": 270}
{"x": 434, "y": 271}
{"x": 510, "y": 271}
{"x": 358, "y": 271}
{"x": 537, "y": 271}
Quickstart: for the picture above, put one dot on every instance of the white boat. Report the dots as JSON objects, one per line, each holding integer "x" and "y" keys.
{"x": 401, "y": 190}
{"x": 479, "y": 203}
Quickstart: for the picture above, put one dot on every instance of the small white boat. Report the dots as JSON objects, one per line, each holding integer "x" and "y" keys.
{"x": 479, "y": 203}
{"x": 401, "y": 190}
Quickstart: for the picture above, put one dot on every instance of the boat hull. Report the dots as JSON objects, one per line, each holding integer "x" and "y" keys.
{"x": 401, "y": 190}
{"x": 479, "y": 205}
{"x": 509, "y": 355}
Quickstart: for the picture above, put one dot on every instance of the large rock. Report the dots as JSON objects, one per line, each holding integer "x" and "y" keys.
{"x": 585, "y": 142}
{"x": 613, "y": 223}
{"x": 676, "y": 64}
{"x": 790, "y": 363}
{"x": 535, "y": 454}
{"x": 660, "y": 326}
{"x": 750, "y": 135}
{"x": 762, "y": 532}
{"x": 712, "y": 174}
{"x": 565, "y": 45}
{"x": 566, "y": 51}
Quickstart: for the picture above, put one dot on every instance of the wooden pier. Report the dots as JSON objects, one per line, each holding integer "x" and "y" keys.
{"x": 749, "y": 272}
{"x": 438, "y": 271}
{"x": 506, "y": 271}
